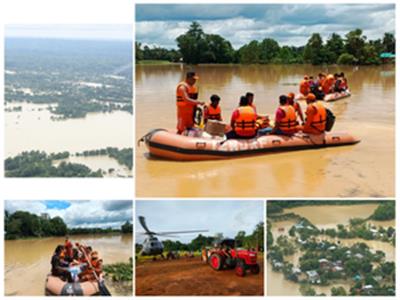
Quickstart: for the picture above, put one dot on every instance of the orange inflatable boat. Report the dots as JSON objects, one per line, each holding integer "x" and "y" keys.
{"x": 55, "y": 286}
{"x": 328, "y": 97}
{"x": 169, "y": 145}
{"x": 337, "y": 96}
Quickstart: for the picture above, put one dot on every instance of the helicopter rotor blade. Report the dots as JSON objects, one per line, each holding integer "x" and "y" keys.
{"x": 142, "y": 222}
{"x": 163, "y": 233}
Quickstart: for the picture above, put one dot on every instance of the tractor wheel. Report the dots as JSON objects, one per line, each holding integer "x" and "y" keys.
{"x": 255, "y": 269}
{"x": 240, "y": 269}
{"x": 216, "y": 261}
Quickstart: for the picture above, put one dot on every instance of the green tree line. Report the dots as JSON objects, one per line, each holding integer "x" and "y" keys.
{"x": 254, "y": 239}
{"x": 23, "y": 224}
{"x": 195, "y": 47}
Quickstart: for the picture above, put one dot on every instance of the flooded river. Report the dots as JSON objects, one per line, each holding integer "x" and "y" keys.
{"x": 323, "y": 217}
{"x": 363, "y": 170}
{"x": 33, "y": 129}
{"x": 27, "y": 262}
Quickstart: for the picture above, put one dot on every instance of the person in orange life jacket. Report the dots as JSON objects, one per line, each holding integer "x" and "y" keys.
{"x": 212, "y": 111}
{"x": 243, "y": 121}
{"x": 68, "y": 249}
{"x": 250, "y": 98}
{"x": 304, "y": 87}
{"x": 296, "y": 106}
{"x": 186, "y": 102}
{"x": 315, "y": 116}
{"x": 285, "y": 118}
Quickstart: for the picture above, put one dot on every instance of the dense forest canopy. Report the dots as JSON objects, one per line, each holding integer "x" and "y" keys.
{"x": 196, "y": 46}
{"x": 23, "y": 224}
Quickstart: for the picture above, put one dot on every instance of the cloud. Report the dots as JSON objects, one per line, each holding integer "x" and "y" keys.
{"x": 112, "y": 213}
{"x": 227, "y": 217}
{"x": 289, "y": 24}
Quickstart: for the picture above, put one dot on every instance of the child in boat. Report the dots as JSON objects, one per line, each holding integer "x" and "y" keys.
{"x": 212, "y": 111}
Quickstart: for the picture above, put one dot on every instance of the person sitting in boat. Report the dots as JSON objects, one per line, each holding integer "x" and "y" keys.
{"x": 285, "y": 118}
{"x": 186, "y": 102}
{"x": 250, "y": 97}
{"x": 212, "y": 111}
{"x": 59, "y": 267}
{"x": 343, "y": 80}
{"x": 304, "y": 87}
{"x": 296, "y": 106}
{"x": 328, "y": 83}
{"x": 315, "y": 116}
{"x": 243, "y": 121}
{"x": 68, "y": 249}
{"x": 321, "y": 79}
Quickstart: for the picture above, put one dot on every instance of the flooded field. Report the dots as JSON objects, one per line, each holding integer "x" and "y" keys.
{"x": 324, "y": 217}
{"x": 33, "y": 128}
{"x": 28, "y": 261}
{"x": 363, "y": 170}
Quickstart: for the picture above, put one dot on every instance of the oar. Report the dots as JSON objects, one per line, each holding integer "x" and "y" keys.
{"x": 102, "y": 287}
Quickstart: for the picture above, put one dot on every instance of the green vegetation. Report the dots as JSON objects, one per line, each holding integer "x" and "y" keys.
{"x": 123, "y": 156}
{"x": 326, "y": 261}
{"x": 120, "y": 271}
{"x": 23, "y": 224}
{"x": 78, "y": 76}
{"x": 385, "y": 211}
{"x": 196, "y": 46}
{"x": 40, "y": 164}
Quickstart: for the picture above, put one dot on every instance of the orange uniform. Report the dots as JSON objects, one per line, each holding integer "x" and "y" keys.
{"x": 316, "y": 118}
{"x": 288, "y": 124}
{"x": 327, "y": 84}
{"x": 304, "y": 87}
{"x": 244, "y": 121}
{"x": 212, "y": 113}
{"x": 185, "y": 108}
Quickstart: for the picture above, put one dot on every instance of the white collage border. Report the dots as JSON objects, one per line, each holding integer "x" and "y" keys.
{"x": 108, "y": 12}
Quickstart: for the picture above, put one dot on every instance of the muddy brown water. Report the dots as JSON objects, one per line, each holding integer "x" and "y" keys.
{"x": 27, "y": 262}
{"x": 323, "y": 217}
{"x": 363, "y": 170}
{"x": 32, "y": 128}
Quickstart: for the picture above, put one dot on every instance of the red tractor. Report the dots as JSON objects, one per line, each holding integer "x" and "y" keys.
{"x": 226, "y": 256}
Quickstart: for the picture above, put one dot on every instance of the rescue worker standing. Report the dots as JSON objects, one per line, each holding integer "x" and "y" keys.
{"x": 296, "y": 106}
{"x": 315, "y": 116}
{"x": 186, "y": 102}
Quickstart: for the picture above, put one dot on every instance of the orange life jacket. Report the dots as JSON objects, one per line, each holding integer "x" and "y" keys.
{"x": 246, "y": 122}
{"x": 319, "y": 119}
{"x": 213, "y": 113}
{"x": 191, "y": 90}
{"x": 327, "y": 85}
{"x": 304, "y": 87}
{"x": 263, "y": 121}
{"x": 289, "y": 123}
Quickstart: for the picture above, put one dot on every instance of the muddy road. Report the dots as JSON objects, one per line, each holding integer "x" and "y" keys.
{"x": 190, "y": 276}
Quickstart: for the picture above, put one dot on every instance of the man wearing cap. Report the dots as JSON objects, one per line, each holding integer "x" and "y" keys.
{"x": 186, "y": 102}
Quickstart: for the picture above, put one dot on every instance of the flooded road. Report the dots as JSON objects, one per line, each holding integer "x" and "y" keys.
{"x": 324, "y": 217}
{"x": 32, "y": 128}
{"x": 27, "y": 262}
{"x": 363, "y": 170}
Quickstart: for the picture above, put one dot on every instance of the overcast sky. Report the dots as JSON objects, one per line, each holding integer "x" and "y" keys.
{"x": 71, "y": 31}
{"x": 112, "y": 213}
{"x": 289, "y": 24}
{"x": 227, "y": 217}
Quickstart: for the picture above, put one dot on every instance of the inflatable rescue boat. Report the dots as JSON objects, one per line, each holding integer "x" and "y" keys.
{"x": 55, "y": 286}
{"x": 169, "y": 145}
{"x": 328, "y": 97}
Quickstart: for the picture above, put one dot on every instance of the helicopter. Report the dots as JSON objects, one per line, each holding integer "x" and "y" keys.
{"x": 151, "y": 245}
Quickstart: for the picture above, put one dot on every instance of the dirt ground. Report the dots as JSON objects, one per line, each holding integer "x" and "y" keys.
{"x": 190, "y": 276}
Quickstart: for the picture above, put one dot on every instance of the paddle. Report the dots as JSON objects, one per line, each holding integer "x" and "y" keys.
{"x": 102, "y": 287}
